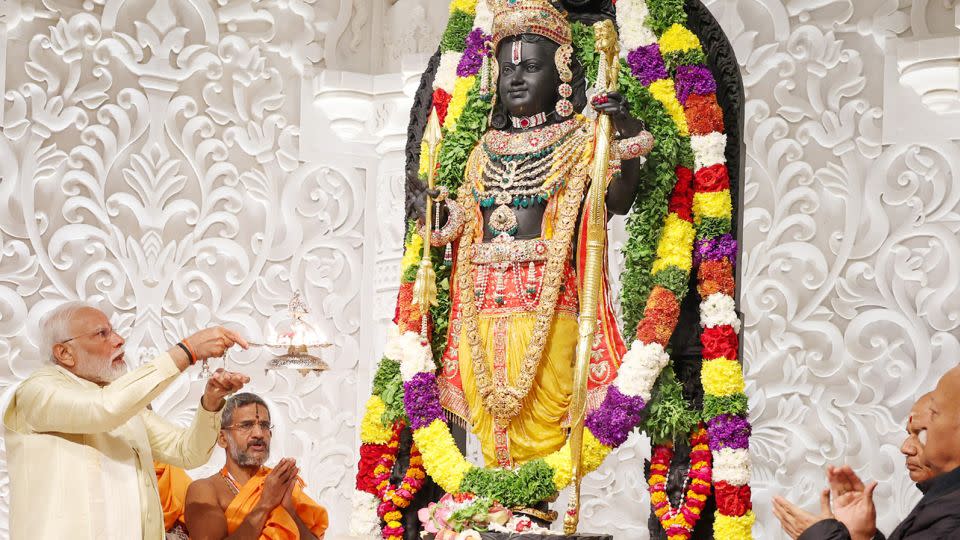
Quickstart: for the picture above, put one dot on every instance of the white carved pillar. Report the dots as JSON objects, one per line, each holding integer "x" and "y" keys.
{"x": 362, "y": 120}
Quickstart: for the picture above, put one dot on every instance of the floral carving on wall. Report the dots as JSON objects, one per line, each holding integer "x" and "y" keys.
{"x": 151, "y": 166}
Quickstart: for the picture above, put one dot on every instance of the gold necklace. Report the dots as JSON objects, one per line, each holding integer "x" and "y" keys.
{"x": 523, "y": 180}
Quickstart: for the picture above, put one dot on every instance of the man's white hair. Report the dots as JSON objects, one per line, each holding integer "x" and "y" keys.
{"x": 55, "y": 326}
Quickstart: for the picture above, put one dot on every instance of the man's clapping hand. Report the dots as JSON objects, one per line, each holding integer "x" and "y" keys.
{"x": 853, "y": 502}
{"x": 794, "y": 519}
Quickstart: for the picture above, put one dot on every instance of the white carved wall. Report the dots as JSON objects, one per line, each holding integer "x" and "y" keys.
{"x": 189, "y": 162}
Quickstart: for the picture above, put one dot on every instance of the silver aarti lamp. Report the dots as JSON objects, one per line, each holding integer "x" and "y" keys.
{"x": 298, "y": 339}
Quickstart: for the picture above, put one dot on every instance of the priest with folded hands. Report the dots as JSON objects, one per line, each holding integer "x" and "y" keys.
{"x": 245, "y": 500}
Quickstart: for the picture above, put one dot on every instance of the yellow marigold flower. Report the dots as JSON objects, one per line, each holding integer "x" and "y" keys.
{"x": 722, "y": 377}
{"x": 594, "y": 452}
{"x": 678, "y": 38}
{"x": 559, "y": 461}
{"x": 716, "y": 205}
{"x": 424, "y": 159}
{"x": 664, "y": 92}
{"x": 658, "y": 497}
{"x": 733, "y": 528}
{"x": 412, "y": 253}
{"x": 441, "y": 457}
{"x": 458, "y": 101}
{"x": 696, "y": 496}
{"x": 372, "y": 429}
{"x": 467, "y": 6}
{"x": 675, "y": 247}
{"x": 392, "y": 516}
{"x": 699, "y": 464}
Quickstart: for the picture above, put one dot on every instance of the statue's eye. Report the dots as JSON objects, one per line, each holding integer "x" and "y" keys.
{"x": 532, "y": 66}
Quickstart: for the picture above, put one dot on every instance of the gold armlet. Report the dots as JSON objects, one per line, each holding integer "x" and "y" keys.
{"x": 634, "y": 147}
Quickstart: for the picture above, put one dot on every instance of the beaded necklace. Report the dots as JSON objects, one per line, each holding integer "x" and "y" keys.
{"x": 520, "y": 180}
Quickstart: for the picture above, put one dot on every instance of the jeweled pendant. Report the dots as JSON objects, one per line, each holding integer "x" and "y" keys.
{"x": 503, "y": 220}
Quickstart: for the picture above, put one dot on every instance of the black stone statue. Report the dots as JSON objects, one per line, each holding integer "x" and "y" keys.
{"x": 531, "y": 88}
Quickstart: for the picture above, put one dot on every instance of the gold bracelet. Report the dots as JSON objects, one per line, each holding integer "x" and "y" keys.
{"x": 451, "y": 229}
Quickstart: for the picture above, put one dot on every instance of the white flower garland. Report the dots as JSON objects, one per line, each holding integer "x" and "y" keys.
{"x": 447, "y": 71}
{"x": 732, "y": 466}
{"x": 483, "y": 18}
{"x": 393, "y": 349}
{"x": 708, "y": 149}
{"x": 631, "y": 21}
{"x": 417, "y": 357}
{"x": 364, "y": 522}
{"x": 640, "y": 368}
{"x": 719, "y": 309}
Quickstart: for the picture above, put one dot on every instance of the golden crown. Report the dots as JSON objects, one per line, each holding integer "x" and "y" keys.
{"x": 516, "y": 17}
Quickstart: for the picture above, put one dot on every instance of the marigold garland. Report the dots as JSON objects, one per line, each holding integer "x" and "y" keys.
{"x": 679, "y": 522}
{"x": 677, "y": 38}
{"x": 724, "y": 404}
{"x": 394, "y": 498}
{"x": 380, "y": 437}
{"x": 371, "y": 429}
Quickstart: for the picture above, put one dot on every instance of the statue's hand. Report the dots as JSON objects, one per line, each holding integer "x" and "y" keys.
{"x": 416, "y": 197}
{"x": 615, "y": 106}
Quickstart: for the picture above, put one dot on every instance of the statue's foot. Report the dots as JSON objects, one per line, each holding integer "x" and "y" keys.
{"x": 540, "y": 513}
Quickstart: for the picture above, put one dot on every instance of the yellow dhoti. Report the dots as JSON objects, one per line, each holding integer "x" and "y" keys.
{"x": 539, "y": 428}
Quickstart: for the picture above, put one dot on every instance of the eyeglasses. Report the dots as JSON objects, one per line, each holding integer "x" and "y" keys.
{"x": 102, "y": 334}
{"x": 247, "y": 427}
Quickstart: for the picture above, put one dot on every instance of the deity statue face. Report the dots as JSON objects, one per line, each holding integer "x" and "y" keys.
{"x": 529, "y": 86}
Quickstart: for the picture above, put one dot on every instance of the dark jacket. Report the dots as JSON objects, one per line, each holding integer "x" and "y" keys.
{"x": 937, "y": 515}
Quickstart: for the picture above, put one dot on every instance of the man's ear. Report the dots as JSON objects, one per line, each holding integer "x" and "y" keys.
{"x": 64, "y": 355}
{"x": 221, "y": 439}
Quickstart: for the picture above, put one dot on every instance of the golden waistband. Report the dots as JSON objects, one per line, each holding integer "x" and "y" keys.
{"x": 510, "y": 251}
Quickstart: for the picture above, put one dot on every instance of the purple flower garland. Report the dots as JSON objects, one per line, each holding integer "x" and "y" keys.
{"x": 715, "y": 249}
{"x": 613, "y": 420}
{"x": 422, "y": 400}
{"x": 694, "y": 80}
{"x": 473, "y": 54}
{"x": 729, "y": 431}
{"x": 647, "y": 65}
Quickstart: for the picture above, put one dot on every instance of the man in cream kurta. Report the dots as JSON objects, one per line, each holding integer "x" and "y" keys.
{"x": 80, "y": 440}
